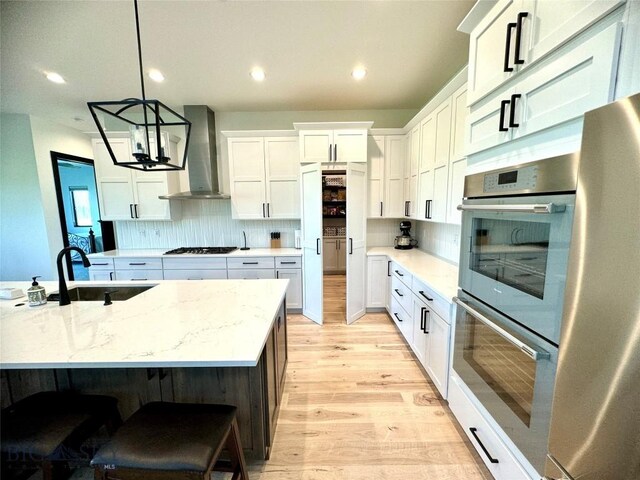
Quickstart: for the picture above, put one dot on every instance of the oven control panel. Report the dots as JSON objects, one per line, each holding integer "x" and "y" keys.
{"x": 523, "y": 178}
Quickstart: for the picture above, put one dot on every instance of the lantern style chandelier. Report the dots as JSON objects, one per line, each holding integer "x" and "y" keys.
{"x": 150, "y": 124}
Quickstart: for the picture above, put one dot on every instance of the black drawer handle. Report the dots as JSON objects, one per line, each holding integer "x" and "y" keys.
{"x": 96, "y": 264}
{"x": 396, "y": 315}
{"x": 250, "y": 263}
{"x": 503, "y": 108}
{"x": 512, "y": 113}
{"x": 488, "y": 260}
{"x": 473, "y": 431}
{"x": 138, "y": 279}
{"x": 288, "y": 263}
{"x": 138, "y": 263}
{"x": 388, "y": 268}
{"x": 523, "y": 259}
{"x": 421, "y": 292}
{"x": 400, "y": 274}
{"x": 510, "y": 28}
{"x": 523, "y": 275}
{"x": 398, "y": 292}
{"x": 521, "y": 16}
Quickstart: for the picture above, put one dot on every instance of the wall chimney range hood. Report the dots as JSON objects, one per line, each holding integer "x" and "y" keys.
{"x": 202, "y": 158}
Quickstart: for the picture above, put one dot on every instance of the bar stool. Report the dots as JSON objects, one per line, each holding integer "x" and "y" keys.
{"x": 47, "y": 429}
{"x": 172, "y": 441}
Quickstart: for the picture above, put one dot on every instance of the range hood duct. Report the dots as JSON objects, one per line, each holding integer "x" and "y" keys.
{"x": 202, "y": 161}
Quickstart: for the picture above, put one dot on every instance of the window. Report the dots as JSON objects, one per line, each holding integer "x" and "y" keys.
{"x": 81, "y": 206}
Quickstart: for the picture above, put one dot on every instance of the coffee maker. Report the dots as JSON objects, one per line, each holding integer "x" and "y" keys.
{"x": 405, "y": 241}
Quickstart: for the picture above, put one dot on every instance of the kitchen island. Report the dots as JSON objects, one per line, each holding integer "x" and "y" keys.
{"x": 213, "y": 341}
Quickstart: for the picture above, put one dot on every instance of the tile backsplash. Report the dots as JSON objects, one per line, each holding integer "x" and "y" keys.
{"x": 204, "y": 223}
{"x": 440, "y": 239}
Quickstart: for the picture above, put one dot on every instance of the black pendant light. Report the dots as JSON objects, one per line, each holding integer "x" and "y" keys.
{"x": 150, "y": 124}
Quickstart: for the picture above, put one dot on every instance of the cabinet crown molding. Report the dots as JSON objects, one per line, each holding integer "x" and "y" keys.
{"x": 259, "y": 133}
{"x": 332, "y": 125}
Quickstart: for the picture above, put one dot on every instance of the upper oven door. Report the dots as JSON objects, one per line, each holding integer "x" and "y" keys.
{"x": 514, "y": 254}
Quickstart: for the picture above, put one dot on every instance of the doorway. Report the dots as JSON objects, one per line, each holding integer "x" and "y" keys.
{"x": 79, "y": 212}
{"x": 334, "y": 245}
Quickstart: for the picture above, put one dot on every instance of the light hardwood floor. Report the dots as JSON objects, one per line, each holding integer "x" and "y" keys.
{"x": 357, "y": 406}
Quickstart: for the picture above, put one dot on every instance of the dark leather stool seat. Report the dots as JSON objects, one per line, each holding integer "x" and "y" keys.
{"x": 43, "y": 428}
{"x": 163, "y": 437}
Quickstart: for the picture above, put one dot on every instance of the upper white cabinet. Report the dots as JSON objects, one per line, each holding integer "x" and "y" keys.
{"x": 129, "y": 194}
{"x": 457, "y": 157}
{"x": 264, "y": 177}
{"x": 517, "y": 33}
{"x": 345, "y": 145}
{"x": 560, "y": 88}
{"x": 385, "y": 171}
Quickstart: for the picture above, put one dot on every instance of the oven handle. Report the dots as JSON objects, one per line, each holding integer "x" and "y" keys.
{"x": 531, "y": 208}
{"x": 534, "y": 354}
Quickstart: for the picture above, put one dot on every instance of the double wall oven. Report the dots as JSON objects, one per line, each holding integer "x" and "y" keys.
{"x": 516, "y": 232}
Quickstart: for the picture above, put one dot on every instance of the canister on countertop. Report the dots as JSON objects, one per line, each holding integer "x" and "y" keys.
{"x": 36, "y": 294}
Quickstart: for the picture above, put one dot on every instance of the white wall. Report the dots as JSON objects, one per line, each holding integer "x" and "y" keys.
{"x": 24, "y": 245}
{"x": 440, "y": 239}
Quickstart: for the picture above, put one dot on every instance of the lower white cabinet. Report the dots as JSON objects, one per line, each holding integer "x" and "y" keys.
{"x": 437, "y": 354}
{"x": 101, "y": 270}
{"x": 294, "y": 291}
{"x": 378, "y": 276}
{"x": 139, "y": 274}
{"x": 251, "y": 274}
{"x": 195, "y": 274}
{"x": 420, "y": 333}
{"x": 402, "y": 318}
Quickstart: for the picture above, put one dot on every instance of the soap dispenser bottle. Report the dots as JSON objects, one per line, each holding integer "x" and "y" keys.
{"x": 36, "y": 294}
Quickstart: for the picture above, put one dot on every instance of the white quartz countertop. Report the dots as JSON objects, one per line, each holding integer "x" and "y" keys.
{"x": 204, "y": 323}
{"x": 439, "y": 274}
{"x": 159, "y": 252}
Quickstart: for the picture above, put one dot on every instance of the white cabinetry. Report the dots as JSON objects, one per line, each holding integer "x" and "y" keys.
{"x": 129, "y": 194}
{"x": 457, "y": 157}
{"x": 264, "y": 177}
{"x": 344, "y": 145}
{"x": 385, "y": 192}
{"x": 194, "y": 268}
{"x": 515, "y": 34}
{"x": 378, "y": 275}
{"x": 101, "y": 269}
{"x": 294, "y": 290}
{"x": 412, "y": 157}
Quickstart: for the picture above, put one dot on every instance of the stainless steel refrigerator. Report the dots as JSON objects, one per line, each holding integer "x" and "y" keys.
{"x": 595, "y": 422}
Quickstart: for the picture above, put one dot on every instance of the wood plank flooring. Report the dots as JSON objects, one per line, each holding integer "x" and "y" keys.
{"x": 357, "y": 406}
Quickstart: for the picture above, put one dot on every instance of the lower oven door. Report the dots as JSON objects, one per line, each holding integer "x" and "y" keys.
{"x": 510, "y": 370}
{"x": 514, "y": 255}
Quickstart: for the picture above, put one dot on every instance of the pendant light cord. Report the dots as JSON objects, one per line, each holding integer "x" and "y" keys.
{"x": 135, "y": 5}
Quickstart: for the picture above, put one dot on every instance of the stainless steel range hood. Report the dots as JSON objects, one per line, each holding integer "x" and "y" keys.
{"x": 202, "y": 162}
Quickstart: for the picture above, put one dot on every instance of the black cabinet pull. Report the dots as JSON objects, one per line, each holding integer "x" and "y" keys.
{"x": 521, "y": 16}
{"x": 380, "y": 208}
{"x": 317, "y": 246}
{"x": 277, "y": 274}
{"x": 421, "y": 292}
{"x": 523, "y": 259}
{"x": 503, "y": 108}
{"x": 473, "y": 431}
{"x": 287, "y": 263}
{"x": 110, "y": 275}
{"x": 523, "y": 275}
{"x": 330, "y": 152}
{"x": 131, "y": 210}
{"x": 396, "y": 315}
{"x": 350, "y": 246}
{"x": 137, "y": 263}
{"x": 335, "y": 152}
{"x": 422, "y": 318}
{"x": 424, "y": 328}
{"x": 138, "y": 279}
{"x": 398, "y": 292}
{"x": 95, "y": 264}
{"x": 507, "y": 47}
{"x": 268, "y": 212}
{"x": 426, "y": 209}
{"x": 429, "y": 205}
{"x": 135, "y": 210}
{"x": 388, "y": 268}
{"x": 512, "y": 113}
{"x": 400, "y": 273}
{"x": 263, "y": 215}
{"x": 250, "y": 263}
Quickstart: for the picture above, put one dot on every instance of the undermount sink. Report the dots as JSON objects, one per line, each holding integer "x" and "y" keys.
{"x": 96, "y": 293}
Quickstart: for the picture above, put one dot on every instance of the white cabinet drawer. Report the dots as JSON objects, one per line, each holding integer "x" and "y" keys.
{"x": 139, "y": 274}
{"x": 250, "y": 262}
{"x": 401, "y": 293}
{"x": 101, "y": 263}
{"x": 485, "y": 440}
{"x": 288, "y": 262}
{"x": 431, "y": 299}
{"x": 401, "y": 273}
{"x": 133, "y": 263}
{"x": 195, "y": 274}
{"x": 402, "y": 319}
{"x": 253, "y": 274}
{"x": 198, "y": 263}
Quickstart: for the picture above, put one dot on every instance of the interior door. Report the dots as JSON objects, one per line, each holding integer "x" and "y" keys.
{"x": 356, "y": 241}
{"x": 311, "y": 179}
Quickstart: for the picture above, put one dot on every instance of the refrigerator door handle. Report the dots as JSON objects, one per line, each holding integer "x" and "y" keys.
{"x": 526, "y": 349}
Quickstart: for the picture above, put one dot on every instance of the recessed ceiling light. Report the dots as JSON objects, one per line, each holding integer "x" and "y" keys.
{"x": 359, "y": 73}
{"x": 156, "y": 75}
{"x": 257, "y": 74}
{"x": 54, "y": 77}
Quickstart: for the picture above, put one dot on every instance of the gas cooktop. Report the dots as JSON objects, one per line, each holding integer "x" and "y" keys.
{"x": 201, "y": 250}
